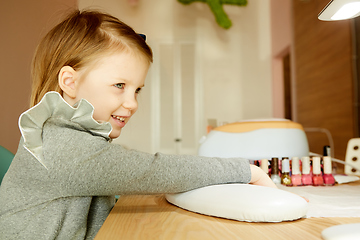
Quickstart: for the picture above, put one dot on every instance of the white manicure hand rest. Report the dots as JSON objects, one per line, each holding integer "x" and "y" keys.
{"x": 242, "y": 202}
{"x": 342, "y": 232}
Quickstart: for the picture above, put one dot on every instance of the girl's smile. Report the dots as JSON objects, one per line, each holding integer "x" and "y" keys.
{"x": 120, "y": 120}
{"x": 111, "y": 86}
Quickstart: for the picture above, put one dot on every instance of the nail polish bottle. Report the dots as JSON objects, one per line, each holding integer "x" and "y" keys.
{"x": 264, "y": 165}
{"x": 281, "y": 162}
{"x": 328, "y": 177}
{"x": 285, "y": 169}
{"x": 295, "y": 172}
{"x": 275, "y": 171}
{"x": 326, "y": 151}
{"x": 317, "y": 177}
{"x": 306, "y": 176}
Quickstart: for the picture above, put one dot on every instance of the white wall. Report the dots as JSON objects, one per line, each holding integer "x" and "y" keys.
{"x": 234, "y": 65}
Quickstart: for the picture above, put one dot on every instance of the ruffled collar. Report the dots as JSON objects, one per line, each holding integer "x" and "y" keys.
{"x": 53, "y": 105}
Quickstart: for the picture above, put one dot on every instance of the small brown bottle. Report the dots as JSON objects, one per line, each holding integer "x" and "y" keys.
{"x": 275, "y": 171}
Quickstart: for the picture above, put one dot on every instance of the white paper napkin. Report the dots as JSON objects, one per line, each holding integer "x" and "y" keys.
{"x": 341, "y": 200}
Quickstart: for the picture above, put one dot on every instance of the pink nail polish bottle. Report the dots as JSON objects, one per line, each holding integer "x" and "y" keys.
{"x": 306, "y": 176}
{"x": 328, "y": 177}
{"x": 295, "y": 172}
{"x": 317, "y": 177}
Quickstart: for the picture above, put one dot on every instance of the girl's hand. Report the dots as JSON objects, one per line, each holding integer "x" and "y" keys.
{"x": 259, "y": 177}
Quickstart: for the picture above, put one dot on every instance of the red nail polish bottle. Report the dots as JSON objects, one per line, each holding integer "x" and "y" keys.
{"x": 306, "y": 176}
{"x": 328, "y": 177}
{"x": 317, "y": 177}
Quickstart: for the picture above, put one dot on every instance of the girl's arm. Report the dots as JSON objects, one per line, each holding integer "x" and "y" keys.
{"x": 81, "y": 164}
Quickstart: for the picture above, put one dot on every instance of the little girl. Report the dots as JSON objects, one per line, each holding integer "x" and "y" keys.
{"x": 87, "y": 73}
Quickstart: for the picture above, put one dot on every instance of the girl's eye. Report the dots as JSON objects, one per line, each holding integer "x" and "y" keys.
{"x": 138, "y": 90}
{"x": 120, "y": 85}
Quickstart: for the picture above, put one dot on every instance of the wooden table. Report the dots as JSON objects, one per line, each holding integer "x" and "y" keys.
{"x": 152, "y": 217}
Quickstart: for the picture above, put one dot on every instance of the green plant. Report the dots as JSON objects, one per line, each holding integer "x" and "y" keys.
{"x": 216, "y": 7}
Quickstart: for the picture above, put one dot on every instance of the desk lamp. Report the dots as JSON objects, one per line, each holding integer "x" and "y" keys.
{"x": 333, "y": 11}
{"x": 340, "y": 10}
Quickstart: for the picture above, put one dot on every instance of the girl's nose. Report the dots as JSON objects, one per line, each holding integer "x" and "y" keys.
{"x": 130, "y": 102}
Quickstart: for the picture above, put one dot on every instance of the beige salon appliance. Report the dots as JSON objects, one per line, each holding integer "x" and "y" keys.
{"x": 256, "y": 139}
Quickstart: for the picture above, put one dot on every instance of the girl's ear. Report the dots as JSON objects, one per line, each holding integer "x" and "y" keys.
{"x": 67, "y": 81}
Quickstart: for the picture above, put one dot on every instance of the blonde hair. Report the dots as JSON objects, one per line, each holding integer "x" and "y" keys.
{"x": 76, "y": 42}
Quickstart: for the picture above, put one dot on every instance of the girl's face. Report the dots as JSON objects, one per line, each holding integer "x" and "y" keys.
{"x": 112, "y": 87}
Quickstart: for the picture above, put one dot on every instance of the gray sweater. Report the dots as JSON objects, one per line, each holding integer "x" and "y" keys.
{"x": 64, "y": 186}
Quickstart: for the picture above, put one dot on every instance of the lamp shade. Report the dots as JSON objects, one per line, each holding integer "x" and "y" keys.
{"x": 340, "y": 10}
